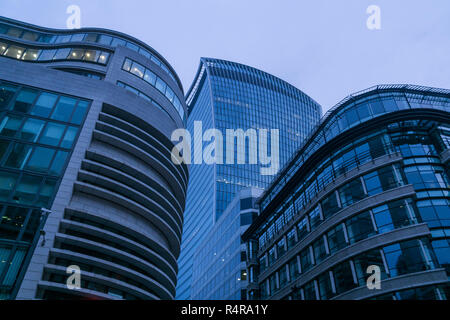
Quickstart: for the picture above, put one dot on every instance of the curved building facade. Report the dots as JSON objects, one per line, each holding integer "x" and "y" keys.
{"x": 87, "y": 179}
{"x": 231, "y": 96}
{"x": 367, "y": 193}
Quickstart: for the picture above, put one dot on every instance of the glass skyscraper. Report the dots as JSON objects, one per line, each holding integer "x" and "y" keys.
{"x": 227, "y": 95}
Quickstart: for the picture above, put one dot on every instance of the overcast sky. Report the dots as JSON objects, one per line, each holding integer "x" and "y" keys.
{"x": 322, "y": 47}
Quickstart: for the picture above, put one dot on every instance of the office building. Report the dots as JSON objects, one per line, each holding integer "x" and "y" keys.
{"x": 366, "y": 195}
{"x": 86, "y": 176}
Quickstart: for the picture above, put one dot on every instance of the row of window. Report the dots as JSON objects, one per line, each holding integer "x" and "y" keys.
{"x": 353, "y": 191}
{"x": 32, "y": 158}
{"x": 151, "y": 78}
{"x": 378, "y": 220}
{"x": 42, "y": 104}
{"x": 353, "y": 114}
{"x": 19, "y": 223}
{"x": 38, "y": 131}
{"x": 80, "y": 37}
{"x": 354, "y": 154}
{"x": 26, "y": 189}
{"x": 143, "y": 96}
{"x": 29, "y": 54}
{"x": 393, "y": 260}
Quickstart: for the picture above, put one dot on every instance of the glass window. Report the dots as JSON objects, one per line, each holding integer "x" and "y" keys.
{"x": 314, "y": 218}
{"x": 117, "y": 42}
{"x": 3, "y": 148}
{"x": 7, "y": 182}
{"x": 160, "y": 85}
{"x": 319, "y": 250}
{"x": 282, "y": 276}
{"x": 104, "y": 39}
{"x": 271, "y": 256}
{"x": 40, "y": 159}
{"x": 63, "y": 38}
{"x": 423, "y": 293}
{"x": 405, "y": 257}
{"x": 69, "y": 137}
{"x": 170, "y": 94}
{"x": 103, "y": 59}
{"x": 58, "y": 163}
{"x": 10, "y": 125}
{"x": 309, "y": 291}
{"x": 393, "y": 215}
{"x": 77, "y": 37}
{"x": 441, "y": 248}
{"x": 76, "y": 54}
{"x": 91, "y": 37}
{"x": 44, "y": 105}
{"x": 12, "y": 222}
{"x": 302, "y": 228}
{"x": 305, "y": 259}
{"x": 377, "y": 107}
{"x": 27, "y": 189}
{"x": 291, "y": 239}
{"x": 336, "y": 239}
{"x": 360, "y": 227}
{"x": 91, "y": 55}
{"x": 330, "y": 205}
{"x": 351, "y": 192}
{"x": 435, "y": 212}
{"x": 363, "y": 111}
{"x": 137, "y": 70}
{"x": 262, "y": 263}
{"x": 18, "y": 155}
{"x": 6, "y": 95}
{"x": 14, "y": 52}
{"x": 127, "y": 65}
{"x": 31, "y": 55}
{"x": 47, "y": 55}
{"x": 325, "y": 288}
{"x": 62, "y": 54}
{"x": 31, "y": 130}
{"x": 24, "y": 100}
{"x": 30, "y": 36}
{"x": 150, "y": 77}
{"x": 281, "y": 247}
{"x": 46, "y": 193}
{"x": 80, "y": 112}
{"x": 366, "y": 259}
{"x": 14, "y": 32}
{"x": 3, "y": 47}
{"x": 294, "y": 271}
{"x": 132, "y": 46}
{"x": 64, "y": 109}
{"x": 343, "y": 277}
{"x": 52, "y": 134}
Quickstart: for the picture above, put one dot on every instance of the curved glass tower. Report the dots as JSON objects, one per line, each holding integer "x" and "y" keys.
{"x": 86, "y": 177}
{"x": 227, "y": 95}
{"x": 367, "y": 194}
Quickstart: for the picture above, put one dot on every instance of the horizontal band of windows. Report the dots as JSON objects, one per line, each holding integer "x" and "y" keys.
{"x": 46, "y": 55}
{"x": 102, "y": 39}
{"x": 143, "y": 96}
{"x": 350, "y": 115}
{"x": 148, "y": 76}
